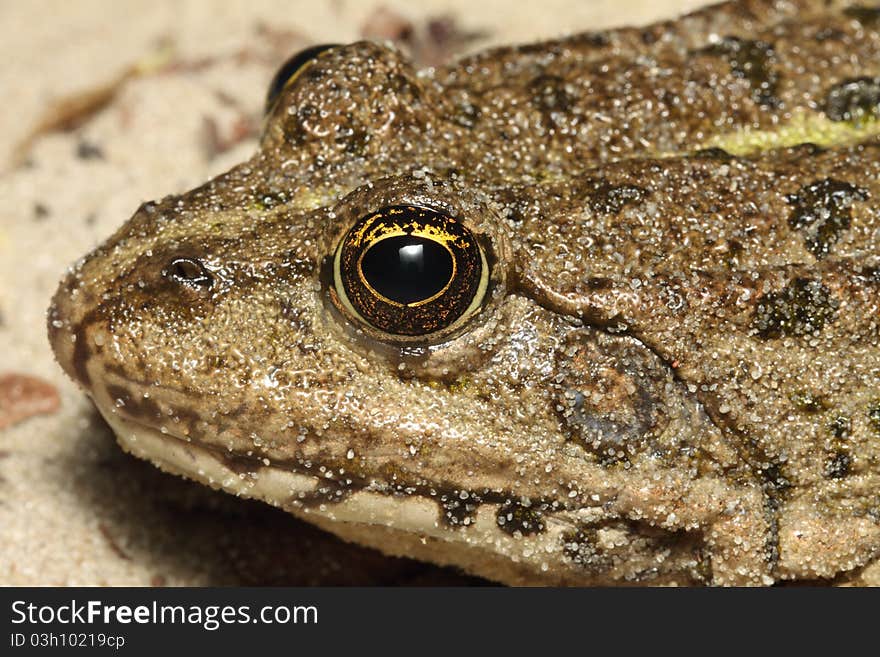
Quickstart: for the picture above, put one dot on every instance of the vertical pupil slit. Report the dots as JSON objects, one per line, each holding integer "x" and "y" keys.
{"x": 407, "y": 268}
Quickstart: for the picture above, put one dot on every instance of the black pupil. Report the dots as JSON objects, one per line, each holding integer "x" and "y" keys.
{"x": 407, "y": 268}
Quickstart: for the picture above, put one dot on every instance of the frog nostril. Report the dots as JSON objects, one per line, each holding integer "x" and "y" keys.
{"x": 188, "y": 271}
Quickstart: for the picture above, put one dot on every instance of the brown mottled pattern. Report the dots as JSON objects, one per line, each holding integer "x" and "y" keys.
{"x": 628, "y": 397}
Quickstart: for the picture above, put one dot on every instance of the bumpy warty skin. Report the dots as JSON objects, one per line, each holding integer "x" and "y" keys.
{"x": 673, "y": 376}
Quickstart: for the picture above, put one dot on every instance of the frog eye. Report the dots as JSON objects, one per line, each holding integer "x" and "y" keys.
{"x": 189, "y": 271}
{"x": 410, "y": 271}
{"x": 291, "y": 70}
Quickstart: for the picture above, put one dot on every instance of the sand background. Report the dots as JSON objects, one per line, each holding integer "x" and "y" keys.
{"x": 75, "y": 510}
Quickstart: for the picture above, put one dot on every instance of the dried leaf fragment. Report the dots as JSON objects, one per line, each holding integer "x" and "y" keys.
{"x": 23, "y": 396}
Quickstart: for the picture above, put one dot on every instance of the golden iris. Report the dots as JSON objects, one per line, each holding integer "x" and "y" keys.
{"x": 408, "y": 270}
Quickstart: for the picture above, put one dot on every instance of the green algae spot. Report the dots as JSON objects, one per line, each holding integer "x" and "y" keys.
{"x": 458, "y": 385}
{"x": 803, "y": 127}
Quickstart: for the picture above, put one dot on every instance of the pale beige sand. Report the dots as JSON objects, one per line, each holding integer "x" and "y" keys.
{"x": 73, "y": 508}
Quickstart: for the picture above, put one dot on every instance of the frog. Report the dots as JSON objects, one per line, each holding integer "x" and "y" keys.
{"x": 601, "y": 310}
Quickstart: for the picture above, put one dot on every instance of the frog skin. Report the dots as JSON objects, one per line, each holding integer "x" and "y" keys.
{"x": 669, "y": 370}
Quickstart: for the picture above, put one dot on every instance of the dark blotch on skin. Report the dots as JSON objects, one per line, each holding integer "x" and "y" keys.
{"x": 874, "y": 416}
{"x": 752, "y": 61}
{"x": 870, "y": 274}
{"x": 838, "y": 466}
{"x": 328, "y": 491}
{"x": 580, "y": 547}
{"x": 599, "y": 283}
{"x": 855, "y": 99}
{"x": 808, "y": 149}
{"x": 839, "y": 462}
{"x": 802, "y": 307}
{"x": 549, "y": 94}
{"x": 840, "y": 427}
{"x": 591, "y": 39}
{"x": 584, "y": 549}
{"x": 268, "y": 199}
{"x": 864, "y": 15}
{"x": 119, "y": 394}
{"x": 518, "y": 516}
{"x": 822, "y": 211}
{"x": 142, "y": 409}
{"x": 807, "y": 402}
{"x": 774, "y": 479}
{"x": 611, "y": 199}
{"x": 458, "y": 512}
{"x": 466, "y": 114}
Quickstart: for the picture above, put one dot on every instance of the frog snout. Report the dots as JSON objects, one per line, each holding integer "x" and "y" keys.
{"x": 73, "y": 325}
{"x": 64, "y": 328}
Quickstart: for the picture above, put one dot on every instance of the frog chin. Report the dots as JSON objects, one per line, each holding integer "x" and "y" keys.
{"x": 405, "y": 526}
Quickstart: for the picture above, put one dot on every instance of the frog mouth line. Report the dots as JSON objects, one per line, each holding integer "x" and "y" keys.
{"x": 396, "y": 525}
{"x": 311, "y": 489}
{"x": 404, "y": 517}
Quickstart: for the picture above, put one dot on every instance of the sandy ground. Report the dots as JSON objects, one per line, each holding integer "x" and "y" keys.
{"x": 73, "y": 508}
